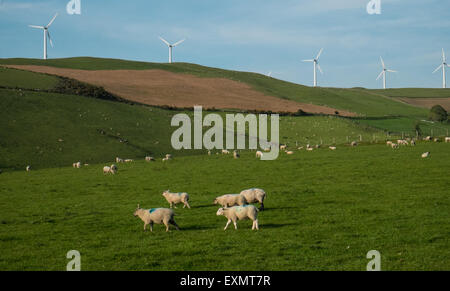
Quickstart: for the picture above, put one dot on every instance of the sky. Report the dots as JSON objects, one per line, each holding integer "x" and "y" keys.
{"x": 248, "y": 35}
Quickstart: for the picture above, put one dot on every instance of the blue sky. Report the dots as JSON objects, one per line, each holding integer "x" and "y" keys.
{"x": 248, "y": 35}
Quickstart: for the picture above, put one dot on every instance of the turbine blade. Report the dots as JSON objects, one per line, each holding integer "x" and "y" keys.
{"x": 443, "y": 55}
{"x": 379, "y": 76}
{"x": 308, "y": 61}
{"x": 320, "y": 52}
{"x": 320, "y": 69}
{"x": 382, "y": 63}
{"x": 165, "y": 41}
{"x": 36, "y": 26}
{"x": 179, "y": 42}
{"x": 49, "y": 38}
{"x": 438, "y": 68}
{"x": 392, "y": 71}
{"x": 51, "y": 21}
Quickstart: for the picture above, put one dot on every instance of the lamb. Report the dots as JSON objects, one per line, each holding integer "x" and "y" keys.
{"x": 283, "y": 147}
{"x": 447, "y": 139}
{"x": 240, "y": 213}
{"x": 426, "y": 155}
{"x": 259, "y": 154}
{"x": 229, "y": 200}
{"x": 333, "y": 148}
{"x": 111, "y": 169}
{"x": 225, "y": 152}
{"x": 156, "y": 215}
{"x": 76, "y": 165}
{"x": 176, "y": 198}
{"x": 254, "y": 195}
{"x": 236, "y": 155}
{"x": 149, "y": 159}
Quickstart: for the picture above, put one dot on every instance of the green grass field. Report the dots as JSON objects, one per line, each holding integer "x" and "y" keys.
{"x": 325, "y": 211}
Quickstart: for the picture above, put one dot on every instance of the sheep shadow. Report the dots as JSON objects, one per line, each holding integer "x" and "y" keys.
{"x": 266, "y": 209}
{"x": 196, "y": 228}
{"x": 275, "y": 225}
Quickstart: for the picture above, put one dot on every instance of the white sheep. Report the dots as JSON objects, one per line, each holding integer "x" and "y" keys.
{"x": 240, "y": 213}
{"x": 413, "y": 143}
{"x": 176, "y": 198}
{"x": 229, "y": 200}
{"x": 254, "y": 195}
{"x": 128, "y": 160}
{"x": 149, "y": 159}
{"x": 354, "y": 144}
{"x": 394, "y": 145}
{"x": 169, "y": 156}
{"x": 283, "y": 147}
{"x": 110, "y": 169}
{"x": 447, "y": 139}
{"x": 259, "y": 154}
{"x": 76, "y": 165}
{"x": 236, "y": 155}
{"x": 389, "y": 143}
{"x": 426, "y": 155}
{"x": 156, "y": 215}
{"x": 309, "y": 149}
{"x": 333, "y": 148}
{"x": 225, "y": 152}
{"x": 289, "y": 152}
{"x": 437, "y": 140}
{"x": 28, "y": 168}
{"x": 119, "y": 160}
{"x": 428, "y": 138}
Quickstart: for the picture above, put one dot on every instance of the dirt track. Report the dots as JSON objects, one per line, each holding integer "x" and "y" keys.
{"x": 158, "y": 87}
{"x": 428, "y": 102}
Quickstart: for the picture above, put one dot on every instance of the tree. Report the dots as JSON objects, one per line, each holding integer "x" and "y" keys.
{"x": 438, "y": 113}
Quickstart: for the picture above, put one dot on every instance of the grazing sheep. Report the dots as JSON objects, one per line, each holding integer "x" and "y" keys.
{"x": 289, "y": 152}
{"x": 76, "y": 165}
{"x": 437, "y": 140}
{"x": 394, "y": 146}
{"x": 389, "y": 143}
{"x": 309, "y": 149}
{"x": 333, "y": 148}
{"x": 225, "y": 152}
{"x": 283, "y": 147}
{"x": 110, "y": 170}
{"x": 354, "y": 144}
{"x": 428, "y": 138}
{"x": 176, "y": 198}
{"x": 259, "y": 154}
{"x": 28, "y": 168}
{"x": 236, "y": 155}
{"x": 402, "y": 142}
{"x": 426, "y": 155}
{"x": 229, "y": 200}
{"x": 447, "y": 139}
{"x": 240, "y": 213}
{"x": 119, "y": 160}
{"x": 150, "y": 159}
{"x": 317, "y": 146}
{"x": 254, "y": 195}
{"x": 156, "y": 215}
{"x": 128, "y": 161}
{"x": 413, "y": 143}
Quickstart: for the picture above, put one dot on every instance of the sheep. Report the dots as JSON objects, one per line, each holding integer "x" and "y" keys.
{"x": 225, "y": 152}
{"x": 402, "y": 142}
{"x": 156, "y": 215}
{"x": 309, "y": 149}
{"x": 354, "y": 144}
{"x": 413, "y": 143}
{"x": 300, "y": 148}
{"x": 169, "y": 156}
{"x": 175, "y": 198}
{"x": 128, "y": 161}
{"x": 110, "y": 169}
{"x": 426, "y": 155}
{"x": 76, "y": 165}
{"x": 240, "y": 213}
{"x": 254, "y": 195}
{"x": 28, "y": 168}
{"x": 289, "y": 152}
{"x": 267, "y": 149}
{"x": 149, "y": 159}
{"x": 437, "y": 140}
{"x": 333, "y": 148}
{"x": 447, "y": 139}
{"x": 394, "y": 146}
{"x": 389, "y": 143}
{"x": 236, "y": 155}
{"x": 229, "y": 200}
{"x": 119, "y": 160}
{"x": 428, "y": 138}
{"x": 317, "y": 146}
{"x": 283, "y": 147}
{"x": 259, "y": 154}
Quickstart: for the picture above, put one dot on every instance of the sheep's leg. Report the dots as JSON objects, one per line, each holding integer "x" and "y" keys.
{"x": 166, "y": 223}
{"x": 228, "y": 223}
{"x": 151, "y": 226}
{"x": 262, "y": 206}
{"x": 171, "y": 204}
{"x": 174, "y": 224}
{"x": 235, "y": 224}
{"x": 145, "y": 226}
{"x": 187, "y": 204}
{"x": 257, "y": 224}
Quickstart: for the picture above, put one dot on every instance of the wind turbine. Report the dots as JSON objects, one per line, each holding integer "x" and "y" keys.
{"x": 383, "y": 73}
{"x": 443, "y": 65}
{"x": 46, "y": 34}
{"x": 171, "y": 46}
{"x": 316, "y": 66}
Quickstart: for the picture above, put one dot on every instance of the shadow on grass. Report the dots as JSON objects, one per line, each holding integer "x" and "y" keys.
{"x": 197, "y": 227}
{"x": 276, "y": 225}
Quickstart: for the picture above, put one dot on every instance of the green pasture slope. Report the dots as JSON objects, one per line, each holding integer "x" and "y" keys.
{"x": 367, "y": 103}
{"x": 325, "y": 211}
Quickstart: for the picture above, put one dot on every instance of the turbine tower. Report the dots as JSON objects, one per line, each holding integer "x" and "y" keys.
{"x": 46, "y": 34}
{"x": 383, "y": 73}
{"x": 171, "y": 46}
{"x": 316, "y": 66}
{"x": 443, "y": 65}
